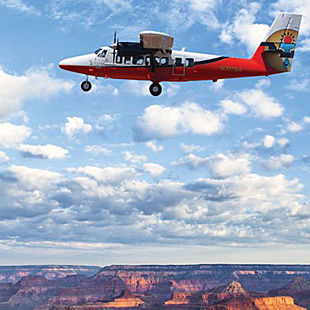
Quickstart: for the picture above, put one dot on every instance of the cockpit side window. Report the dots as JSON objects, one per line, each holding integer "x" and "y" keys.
{"x": 98, "y": 51}
{"x": 103, "y": 54}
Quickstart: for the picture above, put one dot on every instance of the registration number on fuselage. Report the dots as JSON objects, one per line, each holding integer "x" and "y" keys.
{"x": 231, "y": 69}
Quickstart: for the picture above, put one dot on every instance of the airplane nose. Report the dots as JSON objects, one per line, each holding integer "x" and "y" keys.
{"x": 65, "y": 62}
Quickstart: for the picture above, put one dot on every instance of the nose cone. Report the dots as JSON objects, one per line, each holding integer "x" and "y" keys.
{"x": 79, "y": 61}
{"x": 64, "y": 63}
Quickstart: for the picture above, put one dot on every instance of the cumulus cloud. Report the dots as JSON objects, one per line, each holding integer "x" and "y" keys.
{"x": 231, "y": 107}
{"x": 154, "y": 169}
{"x": 221, "y": 165}
{"x": 133, "y": 158}
{"x": 294, "y": 127}
{"x": 114, "y": 205}
{"x": 3, "y": 157}
{"x": 106, "y": 174}
{"x": 191, "y": 148}
{"x": 97, "y": 149}
{"x": 261, "y": 104}
{"x": 13, "y": 135}
{"x": 158, "y": 122}
{"x": 19, "y": 88}
{"x": 154, "y": 146}
{"x": 75, "y": 125}
{"x": 269, "y": 141}
{"x": 33, "y": 179}
{"x": 278, "y": 162}
{"x": 48, "y": 151}
{"x": 245, "y": 29}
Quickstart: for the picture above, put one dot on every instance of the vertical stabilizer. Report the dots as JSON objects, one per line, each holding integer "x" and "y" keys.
{"x": 279, "y": 46}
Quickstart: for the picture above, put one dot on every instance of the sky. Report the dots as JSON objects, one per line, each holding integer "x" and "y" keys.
{"x": 205, "y": 173}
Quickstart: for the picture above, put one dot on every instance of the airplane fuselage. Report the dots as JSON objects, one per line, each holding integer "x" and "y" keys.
{"x": 177, "y": 66}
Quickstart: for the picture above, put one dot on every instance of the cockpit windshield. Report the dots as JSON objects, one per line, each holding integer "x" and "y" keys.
{"x": 98, "y": 51}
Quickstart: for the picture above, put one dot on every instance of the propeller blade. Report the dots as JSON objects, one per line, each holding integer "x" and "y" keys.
{"x": 114, "y": 37}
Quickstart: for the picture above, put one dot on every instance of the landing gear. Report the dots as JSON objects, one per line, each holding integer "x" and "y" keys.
{"x": 86, "y": 86}
{"x": 155, "y": 89}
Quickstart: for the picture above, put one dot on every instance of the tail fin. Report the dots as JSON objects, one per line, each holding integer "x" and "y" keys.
{"x": 279, "y": 46}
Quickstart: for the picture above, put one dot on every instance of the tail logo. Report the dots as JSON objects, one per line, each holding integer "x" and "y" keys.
{"x": 287, "y": 45}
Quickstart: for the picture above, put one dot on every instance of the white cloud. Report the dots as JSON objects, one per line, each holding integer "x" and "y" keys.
{"x": 133, "y": 158}
{"x": 75, "y": 125}
{"x": 244, "y": 28}
{"x": 231, "y": 107}
{"x": 269, "y": 141}
{"x": 261, "y": 104}
{"x": 154, "y": 146}
{"x": 21, "y": 88}
{"x": 31, "y": 179}
{"x": 278, "y": 162}
{"x": 304, "y": 45}
{"x": 283, "y": 142}
{"x": 105, "y": 89}
{"x": 299, "y": 85}
{"x": 154, "y": 169}
{"x": 306, "y": 119}
{"x": 19, "y": 5}
{"x": 294, "y": 127}
{"x": 106, "y": 174}
{"x": 217, "y": 86}
{"x": 191, "y": 148}
{"x": 221, "y": 165}
{"x": 263, "y": 83}
{"x": 48, "y": 151}
{"x": 3, "y": 157}
{"x": 158, "y": 122}
{"x": 12, "y": 135}
{"x": 97, "y": 149}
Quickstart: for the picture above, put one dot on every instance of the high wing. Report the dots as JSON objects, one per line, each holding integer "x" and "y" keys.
{"x": 150, "y": 43}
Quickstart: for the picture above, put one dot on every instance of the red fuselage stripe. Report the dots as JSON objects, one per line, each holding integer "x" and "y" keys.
{"x": 222, "y": 69}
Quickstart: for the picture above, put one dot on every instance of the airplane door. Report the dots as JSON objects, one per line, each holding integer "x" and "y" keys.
{"x": 100, "y": 59}
{"x": 179, "y": 67}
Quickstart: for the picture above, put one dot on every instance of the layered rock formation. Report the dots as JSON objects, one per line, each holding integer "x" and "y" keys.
{"x": 265, "y": 303}
{"x": 12, "y": 274}
{"x": 299, "y": 289}
{"x": 157, "y": 287}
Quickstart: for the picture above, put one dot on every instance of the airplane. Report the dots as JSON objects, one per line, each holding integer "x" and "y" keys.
{"x": 153, "y": 59}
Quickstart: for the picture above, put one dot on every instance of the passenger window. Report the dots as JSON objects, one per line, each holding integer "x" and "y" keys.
{"x": 119, "y": 59}
{"x": 164, "y": 61}
{"x": 127, "y": 60}
{"x": 137, "y": 60}
{"x": 189, "y": 62}
{"x": 147, "y": 60}
{"x": 157, "y": 61}
{"x": 178, "y": 62}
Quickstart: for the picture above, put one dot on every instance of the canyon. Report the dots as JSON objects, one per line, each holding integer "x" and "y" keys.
{"x": 208, "y": 287}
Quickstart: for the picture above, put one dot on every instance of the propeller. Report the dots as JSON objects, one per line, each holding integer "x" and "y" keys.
{"x": 115, "y": 43}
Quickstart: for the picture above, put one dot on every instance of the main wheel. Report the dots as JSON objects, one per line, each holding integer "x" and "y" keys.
{"x": 155, "y": 89}
{"x": 86, "y": 86}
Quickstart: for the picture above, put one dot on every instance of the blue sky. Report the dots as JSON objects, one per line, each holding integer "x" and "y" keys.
{"x": 205, "y": 173}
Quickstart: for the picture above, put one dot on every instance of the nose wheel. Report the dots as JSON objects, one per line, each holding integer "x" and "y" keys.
{"x": 86, "y": 86}
{"x": 155, "y": 89}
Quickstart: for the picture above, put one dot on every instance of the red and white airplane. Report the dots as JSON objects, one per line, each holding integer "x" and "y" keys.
{"x": 153, "y": 59}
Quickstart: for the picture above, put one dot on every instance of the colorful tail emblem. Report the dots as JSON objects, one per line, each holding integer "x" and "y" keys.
{"x": 281, "y": 42}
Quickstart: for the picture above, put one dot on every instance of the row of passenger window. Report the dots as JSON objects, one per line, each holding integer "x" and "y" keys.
{"x": 159, "y": 61}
